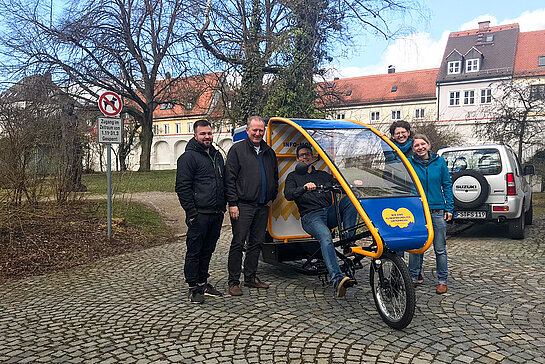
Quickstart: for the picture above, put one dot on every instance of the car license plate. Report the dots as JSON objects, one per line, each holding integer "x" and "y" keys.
{"x": 470, "y": 214}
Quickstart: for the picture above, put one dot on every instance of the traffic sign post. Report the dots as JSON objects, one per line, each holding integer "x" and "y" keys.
{"x": 109, "y": 131}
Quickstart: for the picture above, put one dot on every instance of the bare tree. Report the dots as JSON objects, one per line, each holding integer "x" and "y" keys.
{"x": 41, "y": 134}
{"x": 287, "y": 41}
{"x": 117, "y": 45}
{"x": 514, "y": 116}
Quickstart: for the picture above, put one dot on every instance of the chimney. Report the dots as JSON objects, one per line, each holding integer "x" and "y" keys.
{"x": 167, "y": 76}
{"x": 483, "y": 26}
{"x": 391, "y": 69}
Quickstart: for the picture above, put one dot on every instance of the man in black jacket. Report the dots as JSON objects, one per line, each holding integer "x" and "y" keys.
{"x": 251, "y": 183}
{"x": 318, "y": 214}
{"x": 200, "y": 189}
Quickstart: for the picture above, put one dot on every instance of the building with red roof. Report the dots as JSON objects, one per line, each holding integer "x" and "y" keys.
{"x": 382, "y": 99}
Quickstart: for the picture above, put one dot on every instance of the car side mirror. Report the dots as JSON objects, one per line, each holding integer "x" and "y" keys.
{"x": 529, "y": 170}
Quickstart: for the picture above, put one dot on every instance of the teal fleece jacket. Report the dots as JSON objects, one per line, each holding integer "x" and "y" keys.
{"x": 435, "y": 180}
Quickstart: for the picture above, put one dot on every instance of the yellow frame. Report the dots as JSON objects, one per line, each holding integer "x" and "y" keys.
{"x": 350, "y": 194}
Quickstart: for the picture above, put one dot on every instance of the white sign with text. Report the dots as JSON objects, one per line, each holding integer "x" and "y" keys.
{"x": 109, "y": 130}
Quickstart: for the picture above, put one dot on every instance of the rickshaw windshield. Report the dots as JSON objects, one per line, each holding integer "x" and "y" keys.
{"x": 368, "y": 164}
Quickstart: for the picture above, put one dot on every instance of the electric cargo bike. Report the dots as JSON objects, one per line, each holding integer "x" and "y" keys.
{"x": 378, "y": 179}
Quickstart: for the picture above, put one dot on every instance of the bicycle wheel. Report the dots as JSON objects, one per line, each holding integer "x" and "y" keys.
{"x": 394, "y": 297}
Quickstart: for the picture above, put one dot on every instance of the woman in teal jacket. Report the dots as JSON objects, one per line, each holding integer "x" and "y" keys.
{"x": 433, "y": 174}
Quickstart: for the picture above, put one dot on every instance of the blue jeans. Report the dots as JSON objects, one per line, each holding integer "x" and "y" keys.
{"x": 440, "y": 247}
{"x": 319, "y": 223}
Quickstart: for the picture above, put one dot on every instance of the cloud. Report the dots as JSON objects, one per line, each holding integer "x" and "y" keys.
{"x": 420, "y": 51}
{"x": 529, "y": 20}
{"x": 416, "y": 51}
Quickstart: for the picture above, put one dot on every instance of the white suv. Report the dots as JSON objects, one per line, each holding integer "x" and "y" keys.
{"x": 488, "y": 185}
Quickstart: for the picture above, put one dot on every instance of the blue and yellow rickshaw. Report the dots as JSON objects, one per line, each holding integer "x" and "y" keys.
{"x": 378, "y": 179}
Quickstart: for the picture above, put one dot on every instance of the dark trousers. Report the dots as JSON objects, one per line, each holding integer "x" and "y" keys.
{"x": 251, "y": 223}
{"x": 201, "y": 239}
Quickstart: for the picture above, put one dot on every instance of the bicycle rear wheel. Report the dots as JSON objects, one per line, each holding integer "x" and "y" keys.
{"x": 393, "y": 290}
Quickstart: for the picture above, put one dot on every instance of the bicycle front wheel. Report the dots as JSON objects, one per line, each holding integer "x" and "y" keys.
{"x": 393, "y": 290}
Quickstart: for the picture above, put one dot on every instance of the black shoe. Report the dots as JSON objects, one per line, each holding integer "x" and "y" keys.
{"x": 342, "y": 285}
{"x": 195, "y": 295}
{"x": 209, "y": 290}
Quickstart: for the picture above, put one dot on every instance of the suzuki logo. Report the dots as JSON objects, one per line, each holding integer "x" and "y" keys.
{"x": 466, "y": 187}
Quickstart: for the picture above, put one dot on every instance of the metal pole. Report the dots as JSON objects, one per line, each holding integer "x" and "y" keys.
{"x": 109, "y": 159}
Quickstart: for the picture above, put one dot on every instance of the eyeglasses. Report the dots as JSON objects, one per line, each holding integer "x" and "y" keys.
{"x": 305, "y": 154}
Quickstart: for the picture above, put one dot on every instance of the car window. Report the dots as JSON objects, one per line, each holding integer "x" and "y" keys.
{"x": 485, "y": 161}
{"x": 518, "y": 168}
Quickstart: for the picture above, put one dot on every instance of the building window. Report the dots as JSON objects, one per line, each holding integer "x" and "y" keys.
{"x": 490, "y": 37}
{"x": 396, "y": 114}
{"x": 454, "y": 98}
{"x": 156, "y": 129}
{"x": 486, "y": 96}
{"x": 340, "y": 116}
{"x": 167, "y": 129}
{"x": 453, "y": 67}
{"x": 419, "y": 114}
{"x": 537, "y": 92}
{"x": 541, "y": 61}
{"x": 394, "y": 88}
{"x": 178, "y": 128}
{"x": 189, "y": 127}
{"x": 167, "y": 106}
{"x": 375, "y": 115}
{"x": 472, "y": 65}
{"x": 189, "y": 105}
{"x": 469, "y": 97}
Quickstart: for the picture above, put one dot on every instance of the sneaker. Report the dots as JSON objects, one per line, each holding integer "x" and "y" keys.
{"x": 420, "y": 279}
{"x": 256, "y": 283}
{"x": 195, "y": 295}
{"x": 209, "y": 290}
{"x": 235, "y": 290}
{"x": 341, "y": 286}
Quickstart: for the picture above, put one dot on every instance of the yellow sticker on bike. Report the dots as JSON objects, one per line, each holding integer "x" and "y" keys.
{"x": 400, "y": 218}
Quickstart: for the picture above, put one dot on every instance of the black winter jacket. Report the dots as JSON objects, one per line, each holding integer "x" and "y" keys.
{"x": 308, "y": 201}
{"x": 200, "y": 180}
{"x": 243, "y": 173}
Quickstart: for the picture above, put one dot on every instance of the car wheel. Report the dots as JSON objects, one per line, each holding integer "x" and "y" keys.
{"x": 529, "y": 215}
{"x": 516, "y": 227}
{"x": 470, "y": 189}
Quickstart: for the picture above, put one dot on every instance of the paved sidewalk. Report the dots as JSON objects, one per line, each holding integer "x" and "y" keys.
{"x": 133, "y": 309}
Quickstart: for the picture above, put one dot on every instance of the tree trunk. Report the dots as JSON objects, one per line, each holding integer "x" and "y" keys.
{"x": 146, "y": 139}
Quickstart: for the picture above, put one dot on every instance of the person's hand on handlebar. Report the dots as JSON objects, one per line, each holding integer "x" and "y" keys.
{"x": 309, "y": 186}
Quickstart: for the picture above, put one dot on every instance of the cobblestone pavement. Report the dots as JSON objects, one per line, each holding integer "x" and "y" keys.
{"x": 134, "y": 309}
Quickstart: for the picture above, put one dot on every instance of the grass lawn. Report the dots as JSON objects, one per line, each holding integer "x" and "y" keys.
{"x": 539, "y": 204}
{"x": 128, "y": 182}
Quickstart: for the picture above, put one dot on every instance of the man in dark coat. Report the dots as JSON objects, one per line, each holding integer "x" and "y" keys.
{"x": 200, "y": 189}
{"x": 251, "y": 184}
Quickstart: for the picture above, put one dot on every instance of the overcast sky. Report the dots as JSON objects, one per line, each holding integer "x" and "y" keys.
{"x": 425, "y": 46}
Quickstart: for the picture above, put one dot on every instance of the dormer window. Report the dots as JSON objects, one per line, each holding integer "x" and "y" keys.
{"x": 453, "y": 67}
{"x": 541, "y": 61}
{"x": 167, "y": 106}
{"x": 472, "y": 65}
{"x": 189, "y": 105}
{"x": 394, "y": 88}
